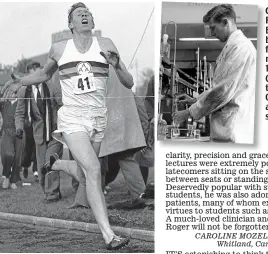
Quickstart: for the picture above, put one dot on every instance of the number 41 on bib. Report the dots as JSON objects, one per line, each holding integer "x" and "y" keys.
{"x": 84, "y": 84}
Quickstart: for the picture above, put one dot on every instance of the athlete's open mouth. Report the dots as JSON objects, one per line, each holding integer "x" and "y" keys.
{"x": 84, "y": 21}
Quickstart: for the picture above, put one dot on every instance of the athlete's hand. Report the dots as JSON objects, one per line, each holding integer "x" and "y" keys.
{"x": 11, "y": 87}
{"x": 111, "y": 58}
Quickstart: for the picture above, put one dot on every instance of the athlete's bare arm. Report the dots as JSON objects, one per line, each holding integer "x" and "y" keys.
{"x": 12, "y": 86}
{"x": 41, "y": 75}
{"x": 113, "y": 58}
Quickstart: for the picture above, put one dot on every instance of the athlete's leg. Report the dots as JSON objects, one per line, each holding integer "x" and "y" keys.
{"x": 96, "y": 147}
{"x": 83, "y": 152}
{"x": 70, "y": 167}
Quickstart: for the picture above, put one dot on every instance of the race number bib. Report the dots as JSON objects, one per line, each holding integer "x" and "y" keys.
{"x": 84, "y": 83}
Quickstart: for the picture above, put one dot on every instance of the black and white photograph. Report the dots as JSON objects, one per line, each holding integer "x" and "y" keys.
{"x": 207, "y": 72}
{"x": 77, "y": 127}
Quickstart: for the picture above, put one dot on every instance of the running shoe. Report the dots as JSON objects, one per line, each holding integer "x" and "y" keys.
{"x": 117, "y": 243}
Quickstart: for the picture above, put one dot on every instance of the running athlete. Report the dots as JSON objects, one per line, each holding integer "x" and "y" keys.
{"x": 83, "y": 64}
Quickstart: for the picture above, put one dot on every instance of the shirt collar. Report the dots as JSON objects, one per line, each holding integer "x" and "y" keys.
{"x": 13, "y": 101}
{"x": 232, "y": 36}
{"x": 39, "y": 86}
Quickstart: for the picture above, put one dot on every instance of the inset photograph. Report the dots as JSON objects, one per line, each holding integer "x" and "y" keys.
{"x": 207, "y": 72}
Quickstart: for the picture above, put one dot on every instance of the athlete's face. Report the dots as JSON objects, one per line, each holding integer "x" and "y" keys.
{"x": 82, "y": 20}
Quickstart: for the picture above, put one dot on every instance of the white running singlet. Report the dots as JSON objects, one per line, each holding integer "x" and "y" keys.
{"x": 83, "y": 77}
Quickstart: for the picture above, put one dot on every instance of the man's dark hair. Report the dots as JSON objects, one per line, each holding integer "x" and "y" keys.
{"x": 33, "y": 65}
{"x": 219, "y": 12}
{"x": 73, "y": 7}
{"x": 71, "y": 10}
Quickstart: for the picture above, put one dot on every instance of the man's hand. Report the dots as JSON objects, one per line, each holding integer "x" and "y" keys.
{"x": 185, "y": 99}
{"x": 180, "y": 116}
{"x": 19, "y": 133}
{"x": 11, "y": 87}
{"x": 111, "y": 58}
